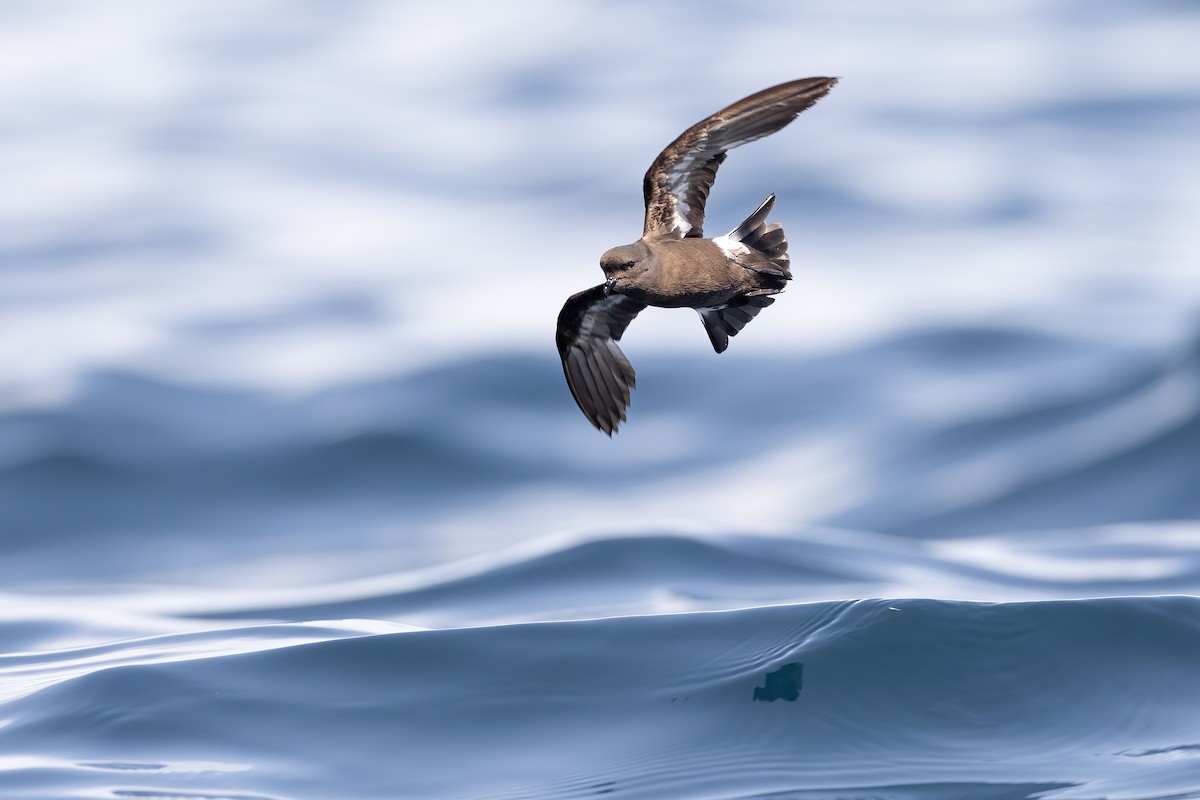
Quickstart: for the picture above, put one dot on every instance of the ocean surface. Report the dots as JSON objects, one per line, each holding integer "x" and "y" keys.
{"x": 294, "y": 501}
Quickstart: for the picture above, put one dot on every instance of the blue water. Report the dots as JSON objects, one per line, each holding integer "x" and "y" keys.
{"x": 294, "y": 502}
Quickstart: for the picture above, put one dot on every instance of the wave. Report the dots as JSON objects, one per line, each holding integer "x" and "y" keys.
{"x": 876, "y": 698}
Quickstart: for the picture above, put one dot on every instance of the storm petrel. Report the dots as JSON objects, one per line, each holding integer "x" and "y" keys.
{"x": 728, "y": 279}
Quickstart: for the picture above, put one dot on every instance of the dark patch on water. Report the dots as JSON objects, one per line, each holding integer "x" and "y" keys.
{"x": 784, "y": 683}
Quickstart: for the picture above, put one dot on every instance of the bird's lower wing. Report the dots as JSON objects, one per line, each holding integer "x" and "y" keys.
{"x": 600, "y": 377}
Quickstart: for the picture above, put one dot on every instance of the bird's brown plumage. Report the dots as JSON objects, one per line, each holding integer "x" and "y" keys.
{"x": 728, "y": 279}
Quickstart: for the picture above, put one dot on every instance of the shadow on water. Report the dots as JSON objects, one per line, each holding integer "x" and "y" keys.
{"x": 784, "y": 683}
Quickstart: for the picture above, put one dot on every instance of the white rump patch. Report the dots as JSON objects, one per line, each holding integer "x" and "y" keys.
{"x": 731, "y": 247}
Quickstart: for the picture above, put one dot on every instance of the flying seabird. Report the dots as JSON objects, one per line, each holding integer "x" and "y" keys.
{"x": 727, "y": 279}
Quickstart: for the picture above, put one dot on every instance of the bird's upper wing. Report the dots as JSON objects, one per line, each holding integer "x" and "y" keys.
{"x": 677, "y": 183}
{"x": 589, "y": 327}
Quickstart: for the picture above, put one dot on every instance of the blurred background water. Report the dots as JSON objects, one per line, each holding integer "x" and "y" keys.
{"x": 287, "y": 462}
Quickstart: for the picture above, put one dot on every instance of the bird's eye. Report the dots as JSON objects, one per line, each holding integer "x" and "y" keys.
{"x": 617, "y": 266}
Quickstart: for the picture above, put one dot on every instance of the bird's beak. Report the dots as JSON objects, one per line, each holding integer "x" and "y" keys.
{"x": 608, "y": 286}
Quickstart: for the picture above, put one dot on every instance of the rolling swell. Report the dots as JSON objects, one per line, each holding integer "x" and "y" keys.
{"x": 575, "y": 578}
{"x": 898, "y": 699}
{"x": 1065, "y": 433}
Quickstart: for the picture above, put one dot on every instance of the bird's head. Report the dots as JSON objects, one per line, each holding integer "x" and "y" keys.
{"x": 624, "y": 263}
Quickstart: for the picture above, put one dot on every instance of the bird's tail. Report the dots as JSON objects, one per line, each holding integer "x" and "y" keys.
{"x": 772, "y": 274}
{"x": 764, "y": 237}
